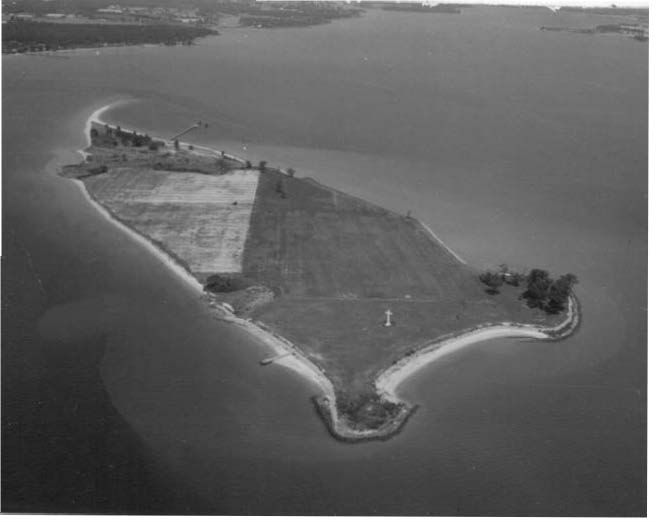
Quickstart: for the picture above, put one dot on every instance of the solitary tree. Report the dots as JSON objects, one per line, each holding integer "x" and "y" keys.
{"x": 291, "y": 172}
{"x": 176, "y": 144}
{"x": 262, "y": 165}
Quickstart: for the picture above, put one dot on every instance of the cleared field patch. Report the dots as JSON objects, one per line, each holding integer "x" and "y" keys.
{"x": 317, "y": 241}
{"x": 201, "y": 219}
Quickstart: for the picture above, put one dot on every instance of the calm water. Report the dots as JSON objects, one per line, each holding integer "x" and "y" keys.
{"x": 121, "y": 393}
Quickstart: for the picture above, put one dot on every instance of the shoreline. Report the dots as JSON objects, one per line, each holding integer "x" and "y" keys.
{"x": 198, "y": 149}
{"x": 161, "y": 255}
{"x": 388, "y": 380}
{"x": 438, "y": 240}
{"x": 180, "y": 271}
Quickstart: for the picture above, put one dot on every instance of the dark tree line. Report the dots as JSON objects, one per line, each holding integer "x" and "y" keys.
{"x": 24, "y": 36}
{"x": 541, "y": 292}
{"x": 133, "y": 139}
{"x": 547, "y": 294}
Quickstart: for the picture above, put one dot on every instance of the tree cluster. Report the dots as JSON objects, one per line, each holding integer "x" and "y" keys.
{"x": 493, "y": 280}
{"x": 367, "y": 409}
{"x": 547, "y": 294}
{"x": 133, "y": 139}
{"x": 541, "y": 292}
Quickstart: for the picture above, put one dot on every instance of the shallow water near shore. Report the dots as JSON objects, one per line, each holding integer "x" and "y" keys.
{"x": 513, "y": 145}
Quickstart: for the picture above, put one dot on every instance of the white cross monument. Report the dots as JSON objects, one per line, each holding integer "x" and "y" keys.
{"x": 388, "y": 315}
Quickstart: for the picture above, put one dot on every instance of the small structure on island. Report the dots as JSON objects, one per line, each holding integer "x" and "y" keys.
{"x": 388, "y": 318}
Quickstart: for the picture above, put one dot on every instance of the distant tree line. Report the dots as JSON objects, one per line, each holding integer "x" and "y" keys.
{"x": 24, "y": 36}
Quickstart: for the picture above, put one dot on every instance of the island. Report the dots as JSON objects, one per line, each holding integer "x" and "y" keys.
{"x": 352, "y": 296}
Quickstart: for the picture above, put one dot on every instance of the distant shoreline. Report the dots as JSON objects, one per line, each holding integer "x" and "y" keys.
{"x": 389, "y": 380}
{"x": 44, "y": 36}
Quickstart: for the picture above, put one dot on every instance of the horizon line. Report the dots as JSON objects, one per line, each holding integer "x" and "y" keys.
{"x": 619, "y": 4}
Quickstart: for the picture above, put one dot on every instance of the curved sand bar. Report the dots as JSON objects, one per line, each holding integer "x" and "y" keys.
{"x": 388, "y": 381}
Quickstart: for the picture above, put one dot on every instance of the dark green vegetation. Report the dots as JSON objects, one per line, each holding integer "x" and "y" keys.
{"x": 540, "y": 290}
{"x": 23, "y": 36}
{"x": 639, "y": 32}
{"x": 420, "y": 8}
{"x": 90, "y": 8}
{"x": 366, "y": 410}
{"x": 113, "y": 147}
{"x": 630, "y": 21}
{"x": 219, "y": 283}
{"x": 295, "y": 14}
{"x": 549, "y": 295}
{"x": 617, "y": 11}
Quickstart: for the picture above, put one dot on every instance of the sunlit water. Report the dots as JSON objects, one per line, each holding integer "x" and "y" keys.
{"x": 514, "y": 145}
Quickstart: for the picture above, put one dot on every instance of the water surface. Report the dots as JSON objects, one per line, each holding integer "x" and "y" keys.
{"x": 514, "y": 145}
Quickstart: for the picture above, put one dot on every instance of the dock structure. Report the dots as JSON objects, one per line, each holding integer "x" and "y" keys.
{"x": 188, "y": 129}
{"x": 268, "y": 361}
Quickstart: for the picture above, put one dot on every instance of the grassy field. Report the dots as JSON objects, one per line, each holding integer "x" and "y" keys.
{"x": 338, "y": 263}
{"x": 201, "y": 219}
{"x": 320, "y": 242}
